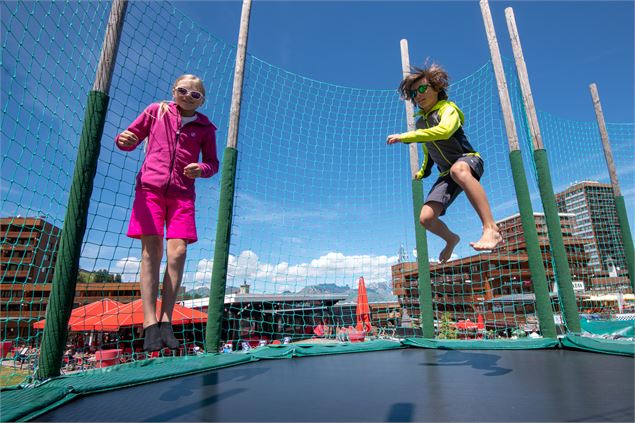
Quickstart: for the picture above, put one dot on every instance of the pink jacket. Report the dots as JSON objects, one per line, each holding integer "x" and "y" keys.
{"x": 170, "y": 149}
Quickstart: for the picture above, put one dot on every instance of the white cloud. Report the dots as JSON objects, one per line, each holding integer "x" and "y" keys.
{"x": 333, "y": 267}
{"x": 129, "y": 268}
{"x": 254, "y": 210}
{"x": 204, "y": 270}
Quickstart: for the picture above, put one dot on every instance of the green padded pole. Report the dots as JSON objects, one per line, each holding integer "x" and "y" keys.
{"x": 216, "y": 307}
{"x": 60, "y": 301}
{"x": 221, "y": 251}
{"x": 424, "y": 286}
{"x": 536, "y": 265}
{"x": 563, "y": 274}
{"x": 534, "y": 256}
{"x": 627, "y": 238}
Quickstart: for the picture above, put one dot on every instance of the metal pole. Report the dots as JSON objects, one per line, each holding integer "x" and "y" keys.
{"x": 534, "y": 256}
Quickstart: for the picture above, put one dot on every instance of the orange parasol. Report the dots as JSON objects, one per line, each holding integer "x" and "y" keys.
{"x": 131, "y": 314}
{"x": 466, "y": 324}
{"x": 79, "y": 314}
{"x": 481, "y": 322}
{"x": 363, "y": 309}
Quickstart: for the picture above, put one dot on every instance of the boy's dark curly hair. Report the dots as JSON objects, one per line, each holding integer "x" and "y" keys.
{"x": 436, "y": 76}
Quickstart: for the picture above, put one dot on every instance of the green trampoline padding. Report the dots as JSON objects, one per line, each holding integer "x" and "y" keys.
{"x": 20, "y": 404}
{"x": 458, "y": 344}
{"x": 607, "y": 346}
{"x": 625, "y": 328}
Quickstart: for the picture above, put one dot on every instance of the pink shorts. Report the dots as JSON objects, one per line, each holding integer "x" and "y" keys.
{"x": 152, "y": 210}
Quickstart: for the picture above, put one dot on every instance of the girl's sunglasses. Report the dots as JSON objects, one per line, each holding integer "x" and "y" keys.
{"x": 421, "y": 89}
{"x": 184, "y": 91}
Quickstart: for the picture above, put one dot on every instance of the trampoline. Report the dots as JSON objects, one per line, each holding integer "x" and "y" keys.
{"x": 400, "y": 385}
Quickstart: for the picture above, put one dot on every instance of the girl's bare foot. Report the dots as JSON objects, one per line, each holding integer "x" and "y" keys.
{"x": 446, "y": 253}
{"x": 489, "y": 240}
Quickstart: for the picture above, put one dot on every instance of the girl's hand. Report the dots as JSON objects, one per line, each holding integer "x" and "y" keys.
{"x": 127, "y": 139}
{"x": 393, "y": 139}
{"x": 193, "y": 170}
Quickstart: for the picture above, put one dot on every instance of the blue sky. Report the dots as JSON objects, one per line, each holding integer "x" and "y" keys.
{"x": 320, "y": 198}
{"x": 566, "y": 44}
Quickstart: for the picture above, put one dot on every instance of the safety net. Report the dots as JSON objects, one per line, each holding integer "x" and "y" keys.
{"x": 323, "y": 244}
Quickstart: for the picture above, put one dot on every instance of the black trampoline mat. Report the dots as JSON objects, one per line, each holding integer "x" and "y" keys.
{"x": 406, "y": 385}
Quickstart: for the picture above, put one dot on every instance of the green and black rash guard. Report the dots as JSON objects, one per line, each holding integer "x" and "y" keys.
{"x": 441, "y": 132}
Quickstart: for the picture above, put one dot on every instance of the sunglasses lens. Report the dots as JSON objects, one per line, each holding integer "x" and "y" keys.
{"x": 195, "y": 95}
{"x": 181, "y": 91}
{"x": 422, "y": 88}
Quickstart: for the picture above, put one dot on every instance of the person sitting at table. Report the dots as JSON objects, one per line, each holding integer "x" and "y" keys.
{"x": 68, "y": 356}
{"x": 21, "y": 353}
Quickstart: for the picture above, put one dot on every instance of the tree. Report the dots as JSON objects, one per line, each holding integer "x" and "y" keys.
{"x": 447, "y": 330}
{"x": 83, "y": 276}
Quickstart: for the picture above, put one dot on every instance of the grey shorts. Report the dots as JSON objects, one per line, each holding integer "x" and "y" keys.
{"x": 445, "y": 190}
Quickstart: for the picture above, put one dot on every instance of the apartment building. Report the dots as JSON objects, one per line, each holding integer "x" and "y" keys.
{"x": 495, "y": 285}
{"x": 27, "y": 262}
{"x": 593, "y": 205}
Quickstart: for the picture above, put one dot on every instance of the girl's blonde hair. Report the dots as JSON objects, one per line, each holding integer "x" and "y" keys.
{"x": 163, "y": 108}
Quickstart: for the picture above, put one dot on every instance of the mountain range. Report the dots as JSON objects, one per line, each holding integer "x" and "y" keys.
{"x": 377, "y": 291}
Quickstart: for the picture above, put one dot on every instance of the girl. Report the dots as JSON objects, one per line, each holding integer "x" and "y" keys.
{"x": 164, "y": 195}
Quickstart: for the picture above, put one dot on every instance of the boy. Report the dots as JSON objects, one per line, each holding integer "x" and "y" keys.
{"x": 439, "y": 128}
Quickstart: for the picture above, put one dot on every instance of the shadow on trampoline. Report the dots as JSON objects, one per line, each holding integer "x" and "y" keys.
{"x": 401, "y": 412}
{"x": 185, "y": 387}
{"x": 177, "y": 414}
{"x": 621, "y": 415}
{"x": 478, "y": 361}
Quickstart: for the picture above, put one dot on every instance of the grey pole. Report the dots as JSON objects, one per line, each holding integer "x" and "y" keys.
{"x": 226, "y": 201}
{"x": 60, "y": 301}
{"x": 534, "y": 256}
{"x": 625, "y": 230}
{"x": 556, "y": 241}
{"x": 426, "y": 311}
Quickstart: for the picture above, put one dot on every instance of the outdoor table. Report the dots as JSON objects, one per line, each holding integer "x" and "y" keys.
{"x": 105, "y": 358}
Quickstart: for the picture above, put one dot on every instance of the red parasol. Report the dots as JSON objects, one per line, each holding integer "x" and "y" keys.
{"x": 131, "y": 314}
{"x": 466, "y": 324}
{"x": 363, "y": 309}
{"x": 82, "y": 313}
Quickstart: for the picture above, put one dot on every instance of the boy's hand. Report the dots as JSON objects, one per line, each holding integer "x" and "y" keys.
{"x": 192, "y": 171}
{"x": 393, "y": 139}
{"x": 127, "y": 139}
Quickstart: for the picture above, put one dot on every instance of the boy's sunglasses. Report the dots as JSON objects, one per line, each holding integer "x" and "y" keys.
{"x": 184, "y": 91}
{"x": 421, "y": 89}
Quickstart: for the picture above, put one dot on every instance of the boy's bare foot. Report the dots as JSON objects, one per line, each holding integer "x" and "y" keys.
{"x": 489, "y": 240}
{"x": 446, "y": 253}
